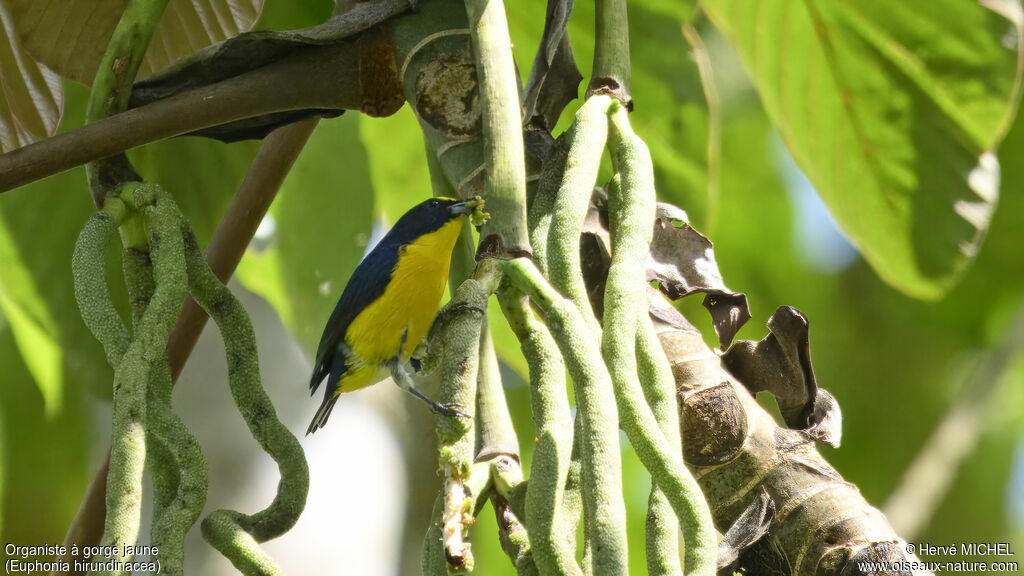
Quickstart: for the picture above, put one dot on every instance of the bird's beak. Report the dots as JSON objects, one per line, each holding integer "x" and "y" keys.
{"x": 464, "y": 207}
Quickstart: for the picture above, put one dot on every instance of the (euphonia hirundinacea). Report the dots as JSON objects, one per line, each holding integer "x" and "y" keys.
{"x": 388, "y": 304}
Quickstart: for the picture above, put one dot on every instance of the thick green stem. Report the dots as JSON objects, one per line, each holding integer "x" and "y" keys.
{"x": 586, "y": 141}
{"x": 457, "y": 441}
{"x": 112, "y": 86}
{"x": 496, "y": 435}
{"x": 505, "y": 184}
{"x": 603, "y": 507}
{"x": 433, "y": 563}
{"x": 631, "y": 209}
{"x": 546, "y": 516}
{"x": 611, "y": 73}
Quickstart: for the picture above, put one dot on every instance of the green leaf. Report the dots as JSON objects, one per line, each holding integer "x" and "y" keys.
{"x": 893, "y": 111}
{"x": 31, "y": 99}
{"x": 322, "y": 219}
{"x": 44, "y": 459}
{"x": 34, "y": 329}
{"x": 70, "y": 36}
{"x": 39, "y": 225}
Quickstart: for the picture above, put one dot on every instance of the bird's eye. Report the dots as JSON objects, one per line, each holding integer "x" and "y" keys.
{"x": 434, "y": 203}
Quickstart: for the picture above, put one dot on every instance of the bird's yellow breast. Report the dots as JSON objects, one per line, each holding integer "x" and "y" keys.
{"x": 409, "y": 302}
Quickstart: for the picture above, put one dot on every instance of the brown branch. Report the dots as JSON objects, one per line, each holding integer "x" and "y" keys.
{"x": 230, "y": 239}
{"x": 317, "y": 77}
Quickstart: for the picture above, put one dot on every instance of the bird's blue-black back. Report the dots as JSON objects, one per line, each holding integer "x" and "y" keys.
{"x": 368, "y": 282}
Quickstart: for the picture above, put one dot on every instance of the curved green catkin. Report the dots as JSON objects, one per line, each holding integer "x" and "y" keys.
{"x": 662, "y": 533}
{"x": 586, "y": 141}
{"x": 545, "y": 507}
{"x": 603, "y": 507}
{"x": 223, "y": 529}
{"x": 176, "y": 463}
{"x": 543, "y": 204}
{"x": 631, "y": 211}
{"x": 88, "y": 264}
{"x": 163, "y": 470}
{"x": 128, "y": 443}
{"x": 259, "y": 415}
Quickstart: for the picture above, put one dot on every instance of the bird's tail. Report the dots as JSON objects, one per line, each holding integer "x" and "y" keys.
{"x": 324, "y": 412}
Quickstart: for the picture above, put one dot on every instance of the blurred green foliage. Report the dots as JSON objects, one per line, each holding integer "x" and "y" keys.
{"x": 894, "y": 363}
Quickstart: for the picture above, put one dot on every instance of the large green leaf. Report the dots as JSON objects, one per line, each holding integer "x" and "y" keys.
{"x": 30, "y": 95}
{"x": 70, "y": 36}
{"x": 892, "y": 109}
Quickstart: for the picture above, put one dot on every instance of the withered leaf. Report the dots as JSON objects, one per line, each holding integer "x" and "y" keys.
{"x": 682, "y": 262}
{"x": 781, "y": 364}
{"x": 554, "y": 80}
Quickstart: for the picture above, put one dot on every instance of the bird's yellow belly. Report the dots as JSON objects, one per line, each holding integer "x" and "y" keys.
{"x": 407, "y": 307}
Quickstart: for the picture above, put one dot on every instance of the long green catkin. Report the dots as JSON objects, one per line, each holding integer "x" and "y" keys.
{"x": 88, "y": 266}
{"x": 603, "y": 507}
{"x": 631, "y": 210}
{"x": 546, "y": 515}
{"x": 234, "y": 534}
{"x": 176, "y": 464}
{"x": 128, "y": 443}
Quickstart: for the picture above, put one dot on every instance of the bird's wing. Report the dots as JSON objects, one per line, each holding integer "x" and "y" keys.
{"x": 367, "y": 283}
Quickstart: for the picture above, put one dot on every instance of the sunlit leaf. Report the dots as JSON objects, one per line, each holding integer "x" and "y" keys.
{"x": 893, "y": 111}
{"x": 38, "y": 227}
{"x": 30, "y": 321}
{"x": 70, "y": 36}
{"x": 43, "y": 458}
{"x": 31, "y": 99}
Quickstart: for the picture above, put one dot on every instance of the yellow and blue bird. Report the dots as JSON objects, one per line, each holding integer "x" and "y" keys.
{"x": 389, "y": 303}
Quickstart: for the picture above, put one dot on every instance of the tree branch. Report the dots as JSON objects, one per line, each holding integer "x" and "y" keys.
{"x": 315, "y": 77}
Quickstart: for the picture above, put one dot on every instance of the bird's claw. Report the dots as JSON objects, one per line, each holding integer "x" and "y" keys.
{"x": 448, "y": 410}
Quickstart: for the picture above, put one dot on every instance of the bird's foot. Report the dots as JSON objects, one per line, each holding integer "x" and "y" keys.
{"x": 448, "y": 410}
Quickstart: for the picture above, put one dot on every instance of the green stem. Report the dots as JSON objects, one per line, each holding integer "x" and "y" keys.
{"x": 603, "y": 507}
{"x": 542, "y": 206}
{"x": 546, "y": 514}
{"x": 433, "y": 563}
{"x": 112, "y": 86}
{"x": 631, "y": 209}
{"x": 611, "y": 73}
{"x": 505, "y": 184}
{"x": 456, "y": 438}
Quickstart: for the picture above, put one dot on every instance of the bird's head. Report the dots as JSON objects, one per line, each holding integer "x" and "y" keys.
{"x": 430, "y": 215}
